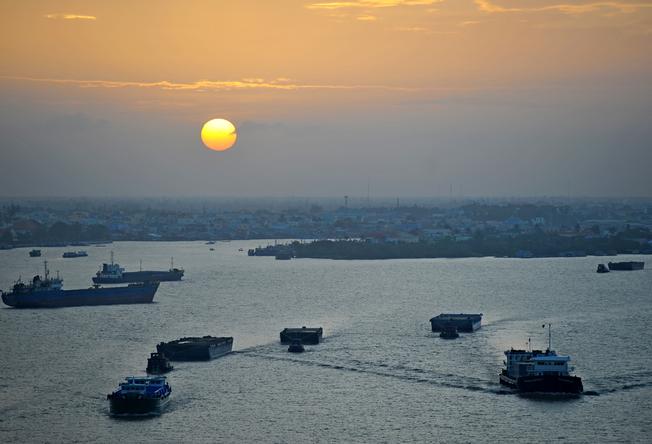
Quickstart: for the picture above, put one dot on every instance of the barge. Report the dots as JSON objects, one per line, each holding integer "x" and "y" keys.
{"x": 463, "y": 322}
{"x": 626, "y": 266}
{"x": 304, "y": 335}
{"x": 196, "y": 348}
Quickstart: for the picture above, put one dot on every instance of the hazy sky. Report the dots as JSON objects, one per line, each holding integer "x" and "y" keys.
{"x": 500, "y": 97}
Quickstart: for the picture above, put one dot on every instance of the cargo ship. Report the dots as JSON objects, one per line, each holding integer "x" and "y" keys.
{"x": 536, "y": 371}
{"x": 196, "y": 349}
{"x": 140, "y": 395}
{"x": 463, "y": 322}
{"x": 620, "y": 266}
{"x": 112, "y": 273}
{"x": 304, "y": 334}
{"x": 48, "y": 292}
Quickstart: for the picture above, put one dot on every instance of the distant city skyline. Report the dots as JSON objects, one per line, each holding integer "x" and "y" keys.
{"x": 497, "y": 98}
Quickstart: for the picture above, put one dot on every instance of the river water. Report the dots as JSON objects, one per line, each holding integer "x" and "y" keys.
{"x": 379, "y": 376}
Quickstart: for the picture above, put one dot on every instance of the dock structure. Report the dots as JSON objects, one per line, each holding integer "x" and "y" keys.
{"x": 304, "y": 334}
{"x": 464, "y": 322}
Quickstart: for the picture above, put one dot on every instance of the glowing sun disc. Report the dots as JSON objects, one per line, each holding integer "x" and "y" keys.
{"x": 218, "y": 134}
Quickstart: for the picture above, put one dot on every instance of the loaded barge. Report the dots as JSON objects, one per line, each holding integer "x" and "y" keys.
{"x": 196, "y": 349}
{"x": 304, "y": 335}
{"x": 461, "y": 321}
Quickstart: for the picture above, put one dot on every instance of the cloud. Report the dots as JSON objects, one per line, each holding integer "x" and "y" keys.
{"x": 578, "y": 8}
{"x": 280, "y": 84}
{"x": 367, "y": 18}
{"x": 371, "y": 4}
{"x": 61, "y": 16}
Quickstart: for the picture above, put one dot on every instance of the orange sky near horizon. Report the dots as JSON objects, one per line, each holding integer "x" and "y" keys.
{"x": 313, "y": 56}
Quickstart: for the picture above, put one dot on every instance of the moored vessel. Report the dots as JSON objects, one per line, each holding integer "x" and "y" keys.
{"x": 71, "y": 254}
{"x": 112, "y": 273}
{"x": 537, "y": 371}
{"x": 140, "y": 395}
{"x": 35, "y": 253}
{"x": 48, "y": 292}
{"x": 195, "y": 348}
{"x": 626, "y": 266}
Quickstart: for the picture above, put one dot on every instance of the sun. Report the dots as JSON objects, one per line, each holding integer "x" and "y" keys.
{"x": 218, "y": 134}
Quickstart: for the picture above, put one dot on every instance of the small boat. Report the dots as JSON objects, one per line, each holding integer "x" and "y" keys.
{"x": 158, "y": 364}
{"x": 304, "y": 335}
{"x": 35, "y": 253}
{"x": 449, "y": 332}
{"x": 620, "y": 266}
{"x": 296, "y": 347}
{"x": 212, "y": 249}
{"x": 602, "y": 268}
{"x": 70, "y": 254}
{"x": 210, "y": 243}
{"x": 536, "y": 371}
{"x": 140, "y": 395}
{"x": 240, "y": 249}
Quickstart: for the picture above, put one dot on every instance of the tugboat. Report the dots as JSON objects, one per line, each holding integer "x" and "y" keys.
{"x": 449, "y": 332}
{"x": 157, "y": 364}
{"x": 35, "y": 253}
{"x": 296, "y": 347}
{"x": 140, "y": 395}
{"x": 196, "y": 349}
{"x": 602, "y": 268}
{"x": 112, "y": 273}
{"x": 536, "y": 371}
{"x": 48, "y": 292}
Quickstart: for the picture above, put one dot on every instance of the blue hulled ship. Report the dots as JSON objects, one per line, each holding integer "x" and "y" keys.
{"x": 141, "y": 395}
{"x": 47, "y": 292}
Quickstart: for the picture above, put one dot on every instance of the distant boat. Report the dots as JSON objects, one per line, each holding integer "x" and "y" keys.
{"x": 35, "y": 253}
{"x": 632, "y": 265}
{"x": 112, "y": 273}
{"x": 71, "y": 254}
{"x": 602, "y": 268}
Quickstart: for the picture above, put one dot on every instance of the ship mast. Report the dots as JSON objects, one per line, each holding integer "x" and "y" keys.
{"x": 549, "y": 336}
{"x": 111, "y": 257}
{"x": 45, "y": 269}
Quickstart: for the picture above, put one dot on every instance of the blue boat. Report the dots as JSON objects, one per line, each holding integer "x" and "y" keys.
{"x": 140, "y": 395}
{"x": 48, "y": 292}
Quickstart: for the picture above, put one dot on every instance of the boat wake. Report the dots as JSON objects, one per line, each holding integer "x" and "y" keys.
{"x": 406, "y": 373}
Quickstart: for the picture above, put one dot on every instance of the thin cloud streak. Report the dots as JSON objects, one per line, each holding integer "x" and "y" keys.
{"x": 61, "y": 16}
{"x": 371, "y": 4}
{"x": 488, "y": 6}
{"x": 280, "y": 84}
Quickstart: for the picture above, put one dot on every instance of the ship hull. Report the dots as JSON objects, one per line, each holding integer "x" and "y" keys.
{"x": 91, "y": 296}
{"x": 195, "y": 351}
{"x": 544, "y": 384}
{"x": 135, "y": 406}
{"x": 141, "y": 276}
{"x": 304, "y": 336}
